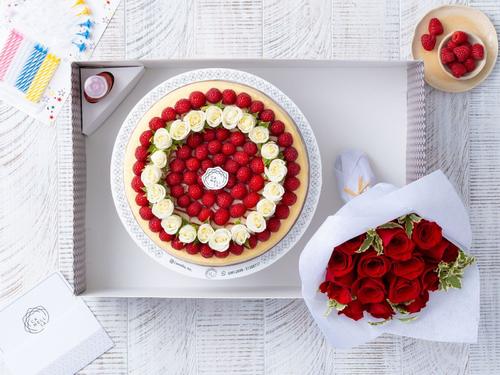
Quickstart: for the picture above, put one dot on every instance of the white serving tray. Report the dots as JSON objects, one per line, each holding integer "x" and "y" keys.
{"x": 373, "y": 106}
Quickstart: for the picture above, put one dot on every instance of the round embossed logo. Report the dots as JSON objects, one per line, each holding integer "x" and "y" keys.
{"x": 35, "y": 319}
{"x": 215, "y": 178}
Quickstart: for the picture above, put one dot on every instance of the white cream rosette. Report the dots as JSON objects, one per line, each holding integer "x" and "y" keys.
{"x": 150, "y": 175}
{"x": 155, "y": 193}
{"x": 276, "y": 171}
{"x": 205, "y": 232}
{"x": 266, "y": 207}
{"x": 239, "y": 234}
{"x": 162, "y": 139}
{"x": 220, "y": 240}
{"x": 256, "y": 222}
{"x": 159, "y": 158}
{"x": 163, "y": 208}
{"x": 195, "y": 120}
{"x": 179, "y": 130}
{"x": 213, "y": 116}
{"x": 273, "y": 191}
{"x": 259, "y": 134}
{"x": 231, "y": 116}
{"x": 270, "y": 150}
{"x": 246, "y": 123}
{"x": 187, "y": 233}
{"x": 171, "y": 224}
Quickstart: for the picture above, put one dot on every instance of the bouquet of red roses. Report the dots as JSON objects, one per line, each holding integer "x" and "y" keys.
{"x": 389, "y": 271}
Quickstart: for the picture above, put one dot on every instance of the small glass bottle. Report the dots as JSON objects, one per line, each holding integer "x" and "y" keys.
{"x": 97, "y": 86}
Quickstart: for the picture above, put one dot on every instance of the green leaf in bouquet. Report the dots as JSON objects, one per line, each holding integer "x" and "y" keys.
{"x": 379, "y": 323}
{"x": 409, "y": 221}
{"x": 408, "y": 319}
{"x": 398, "y": 308}
{"x": 372, "y": 239}
{"x": 378, "y": 244}
{"x": 450, "y": 274}
{"x": 333, "y": 305}
{"x": 365, "y": 245}
{"x": 390, "y": 225}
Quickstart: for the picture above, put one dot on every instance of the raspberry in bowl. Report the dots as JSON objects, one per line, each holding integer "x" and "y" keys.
{"x": 462, "y": 55}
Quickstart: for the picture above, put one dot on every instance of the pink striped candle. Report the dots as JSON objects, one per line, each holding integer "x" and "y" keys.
{"x": 9, "y": 51}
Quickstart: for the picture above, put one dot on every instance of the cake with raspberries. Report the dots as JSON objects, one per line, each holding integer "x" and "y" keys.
{"x": 216, "y": 173}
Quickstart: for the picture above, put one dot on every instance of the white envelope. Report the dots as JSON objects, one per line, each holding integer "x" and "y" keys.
{"x": 50, "y": 331}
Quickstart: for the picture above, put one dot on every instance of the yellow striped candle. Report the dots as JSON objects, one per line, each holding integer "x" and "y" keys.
{"x": 42, "y": 78}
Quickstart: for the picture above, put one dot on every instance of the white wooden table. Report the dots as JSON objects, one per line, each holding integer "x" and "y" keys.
{"x": 155, "y": 336}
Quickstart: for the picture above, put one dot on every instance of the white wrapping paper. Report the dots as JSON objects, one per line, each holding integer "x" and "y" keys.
{"x": 450, "y": 316}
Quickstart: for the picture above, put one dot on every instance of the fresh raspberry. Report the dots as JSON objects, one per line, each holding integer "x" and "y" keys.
{"x": 156, "y": 123}
{"x": 197, "y": 99}
{"x": 451, "y": 44}
{"x": 183, "y": 201}
{"x": 462, "y": 52}
{"x": 228, "y": 97}
{"x": 267, "y": 115}
{"x": 243, "y": 100}
{"x": 138, "y": 167}
{"x": 251, "y": 200}
{"x": 239, "y": 191}
{"x": 141, "y": 153}
{"x": 194, "y": 209}
{"x": 168, "y": 114}
{"x": 193, "y": 248}
{"x": 293, "y": 169}
{"x": 277, "y": 127}
{"x": 257, "y": 165}
{"x": 182, "y": 106}
{"x": 250, "y": 148}
{"x": 189, "y": 177}
{"x": 291, "y": 183}
{"x": 237, "y": 210}
{"x": 214, "y": 146}
{"x": 176, "y": 191}
{"x": 224, "y": 199}
{"x": 256, "y": 106}
{"x": 221, "y": 216}
{"x": 177, "y": 244}
{"x": 256, "y": 183}
{"x": 235, "y": 249}
{"x": 273, "y": 224}
{"x": 199, "y": 180}
{"x": 241, "y": 158}
{"x": 459, "y": 37}
{"x": 263, "y": 236}
{"x": 289, "y": 198}
{"x": 458, "y": 69}
{"x": 219, "y": 159}
{"x": 231, "y": 166}
{"x": 447, "y": 55}
{"x": 205, "y": 214}
{"x": 237, "y": 138}
{"x": 205, "y": 164}
{"x": 155, "y": 225}
{"x": 184, "y": 152}
{"x": 194, "y": 140}
{"x": 173, "y": 178}
{"x": 228, "y": 149}
{"x": 137, "y": 184}
{"x": 201, "y": 152}
{"x": 214, "y": 95}
{"x": 282, "y": 211}
{"x": 477, "y": 51}
{"x": 428, "y": 42}
{"x": 206, "y": 251}
{"x": 209, "y": 135}
{"x": 221, "y": 254}
{"x": 145, "y": 138}
{"x": 231, "y": 181}
{"x": 470, "y": 64}
{"x": 164, "y": 236}
{"x": 193, "y": 164}
{"x": 141, "y": 199}
{"x": 252, "y": 242}
{"x": 285, "y": 140}
{"x": 195, "y": 191}
{"x": 208, "y": 199}
{"x": 243, "y": 174}
{"x": 177, "y": 165}
{"x": 435, "y": 27}
{"x": 146, "y": 213}
{"x": 222, "y": 134}
{"x": 290, "y": 154}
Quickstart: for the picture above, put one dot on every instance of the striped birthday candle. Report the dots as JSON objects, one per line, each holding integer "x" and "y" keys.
{"x": 9, "y": 51}
{"x": 23, "y": 53}
{"x": 30, "y": 68}
{"x": 42, "y": 78}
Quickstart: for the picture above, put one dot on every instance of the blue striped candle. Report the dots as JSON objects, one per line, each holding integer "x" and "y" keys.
{"x": 30, "y": 68}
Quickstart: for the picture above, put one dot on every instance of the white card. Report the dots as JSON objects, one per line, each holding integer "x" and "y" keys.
{"x": 50, "y": 331}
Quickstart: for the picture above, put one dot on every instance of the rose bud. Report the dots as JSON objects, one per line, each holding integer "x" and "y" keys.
{"x": 430, "y": 279}
{"x": 369, "y": 290}
{"x": 351, "y": 246}
{"x": 373, "y": 265}
{"x": 451, "y": 253}
{"x": 403, "y": 290}
{"x": 409, "y": 269}
{"x": 426, "y": 234}
{"x": 339, "y": 294}
{"x": 396, "y": 243}
{"x": 353, "y": 310}
{"x": 340, "y": 263}
{"x": 435, "y": 252}
{"x": 323, "y": 287}
{"x": 380, "y": 310}
{"x": 419, "y": 303}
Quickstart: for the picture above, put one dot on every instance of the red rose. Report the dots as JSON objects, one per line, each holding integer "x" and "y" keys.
{"x": 430, "y": 279}
{"x": 409, "y": 269}
{"x": 436, "y": 252}
{"x": 353, "y": 310}
{"x": 419, "y": 303}
{"x": 373, "y": 265}
{"x": 340, "y": 263}
{"x": 380, "y": 310}
{"x": 427, "y": 234}
{"x": 403, "y": 290}
{"x": 324, "y": 286}
{"x": 351, "y": 246}
{"x": 396, "y": 243}
{"x": 345, "y": 280}
{"x": 451, "y": 253}
{"x": 369, "y": 290}
{"x": 339, "y": 293}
